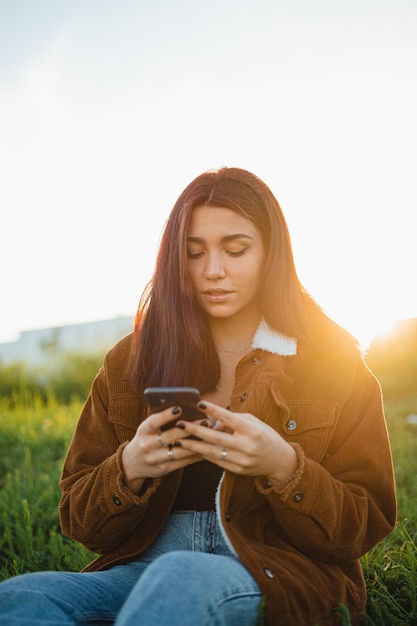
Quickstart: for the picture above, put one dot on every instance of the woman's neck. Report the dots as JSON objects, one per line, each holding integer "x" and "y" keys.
{"x": 233, "y": 335}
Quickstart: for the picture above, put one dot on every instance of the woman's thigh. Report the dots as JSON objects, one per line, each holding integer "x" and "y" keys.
{"x": 67, "y": 598}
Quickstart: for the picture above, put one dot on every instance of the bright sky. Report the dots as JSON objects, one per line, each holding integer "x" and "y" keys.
{"x": 109, "y": 108}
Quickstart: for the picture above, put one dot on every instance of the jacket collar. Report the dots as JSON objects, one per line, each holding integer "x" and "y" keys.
{"x": 266, "y": 338}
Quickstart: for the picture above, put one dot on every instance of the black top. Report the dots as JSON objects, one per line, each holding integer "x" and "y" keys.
{"x": 198, "y": 487}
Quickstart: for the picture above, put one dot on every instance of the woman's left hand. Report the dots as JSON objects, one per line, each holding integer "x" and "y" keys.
{"x": 252, "y": 448}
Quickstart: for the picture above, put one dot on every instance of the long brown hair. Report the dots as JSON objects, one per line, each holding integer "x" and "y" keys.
{"x": 173, "y": 345}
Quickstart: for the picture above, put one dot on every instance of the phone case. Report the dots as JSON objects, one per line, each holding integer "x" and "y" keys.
{"x": 160, "y": 398}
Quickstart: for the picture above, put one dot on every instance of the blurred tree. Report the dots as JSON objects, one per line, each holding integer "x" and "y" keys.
{"x": 66, "y": 378}
{"x": 19, "y": 385}
{"x": 74, "y": 375}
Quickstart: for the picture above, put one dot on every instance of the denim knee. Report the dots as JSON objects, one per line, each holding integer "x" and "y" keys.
{"x": 189, "y": 588}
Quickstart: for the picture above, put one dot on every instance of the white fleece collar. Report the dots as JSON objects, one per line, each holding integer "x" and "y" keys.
{"x": 271, "y": 340}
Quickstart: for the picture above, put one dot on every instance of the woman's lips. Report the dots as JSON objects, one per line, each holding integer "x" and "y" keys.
{"x": 216, "y": 295}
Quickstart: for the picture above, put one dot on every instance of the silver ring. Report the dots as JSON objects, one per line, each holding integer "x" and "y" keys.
{"x": 223, "y": 454}
{"x": 171, "y": 454}
{"x": 161, "y": 443}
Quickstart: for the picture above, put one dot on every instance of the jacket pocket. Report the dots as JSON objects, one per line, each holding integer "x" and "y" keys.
{"x": 311, "y": 425}
{"x": 125, "y": 414}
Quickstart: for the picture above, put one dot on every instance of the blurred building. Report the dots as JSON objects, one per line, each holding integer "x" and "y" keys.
{"x": 38, "y": 347}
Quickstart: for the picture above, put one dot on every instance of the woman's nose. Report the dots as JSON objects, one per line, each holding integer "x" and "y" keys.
{"x": 215, "y": 268}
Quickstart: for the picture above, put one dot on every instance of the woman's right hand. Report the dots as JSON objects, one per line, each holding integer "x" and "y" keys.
{"x": 153, "y": 453}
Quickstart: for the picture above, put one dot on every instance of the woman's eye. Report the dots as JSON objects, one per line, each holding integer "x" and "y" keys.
{"x": 197, "y": 254}
{"x": 236, "y": 252}
{"x": 194, "y": 255}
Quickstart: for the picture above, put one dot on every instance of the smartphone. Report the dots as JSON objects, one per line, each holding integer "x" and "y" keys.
{"x": 160, "y": 398}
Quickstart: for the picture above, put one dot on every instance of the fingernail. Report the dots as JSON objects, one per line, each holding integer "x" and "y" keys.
{"x": 205, "y": 423}
{"x": 180, "y": 425}
{"x": 202, "y": 405}
{"x": 177, "y": 444}
{"x": 176, "y": 410}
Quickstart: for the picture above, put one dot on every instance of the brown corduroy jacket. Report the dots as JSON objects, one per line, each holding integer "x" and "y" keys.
{"x": 301, "y": 543}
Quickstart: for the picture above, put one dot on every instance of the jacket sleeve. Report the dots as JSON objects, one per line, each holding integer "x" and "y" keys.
{"x": 339, "y": 508}
{"x": 96, "y": 509}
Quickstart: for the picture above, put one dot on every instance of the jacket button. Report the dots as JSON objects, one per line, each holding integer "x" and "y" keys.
{"x": 269, "y": 573}
{"x": 256, "y": 360}
{"x": 291, "y": 425}
{"x": 298, "y": 496}
{"x": 244, "y": 397}
{"x": 117, "y": 501}
{"x": 228, "y": 517}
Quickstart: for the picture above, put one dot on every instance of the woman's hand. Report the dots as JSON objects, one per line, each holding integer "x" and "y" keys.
{"x": 252, "y": 448}
{"x": 153, "y": 453}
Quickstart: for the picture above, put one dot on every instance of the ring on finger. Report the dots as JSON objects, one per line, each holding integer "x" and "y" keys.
{"x": 161, "y": 443}
{"x": 223, "y": 454}
{"x": 170, "y": 453}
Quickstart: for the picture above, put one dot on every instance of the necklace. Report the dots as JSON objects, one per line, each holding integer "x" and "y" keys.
{"x": 236, "y": 350}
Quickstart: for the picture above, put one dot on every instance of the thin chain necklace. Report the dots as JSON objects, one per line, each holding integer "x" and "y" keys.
{"x": 236, "y": 350}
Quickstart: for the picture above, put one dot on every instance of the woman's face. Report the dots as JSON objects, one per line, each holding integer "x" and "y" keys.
{"x": 225, "y": 259}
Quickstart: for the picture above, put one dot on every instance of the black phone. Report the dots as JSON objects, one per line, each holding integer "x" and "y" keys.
{"x": 160, "y": 398}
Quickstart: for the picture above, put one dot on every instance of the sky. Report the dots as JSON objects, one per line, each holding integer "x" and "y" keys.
{"x": 108, "y": 109}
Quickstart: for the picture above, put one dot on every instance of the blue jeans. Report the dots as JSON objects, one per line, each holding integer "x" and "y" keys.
{"x": 187, "y": 577}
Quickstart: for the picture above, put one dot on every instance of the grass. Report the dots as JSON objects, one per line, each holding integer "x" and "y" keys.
{"x": 390, "y": 569}
{"x": 33, "y": 442}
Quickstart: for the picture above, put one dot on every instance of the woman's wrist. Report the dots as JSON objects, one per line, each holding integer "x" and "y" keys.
{"x": 287, "y": 472}
{"x": 135, "y": 485}
{"x": 130, "y": 480}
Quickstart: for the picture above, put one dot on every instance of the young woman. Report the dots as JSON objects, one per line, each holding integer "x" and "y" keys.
{"x": 259, "y": 511}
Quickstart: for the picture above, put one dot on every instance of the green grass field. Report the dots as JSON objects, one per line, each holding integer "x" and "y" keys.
{"x": 33, "y": 441}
